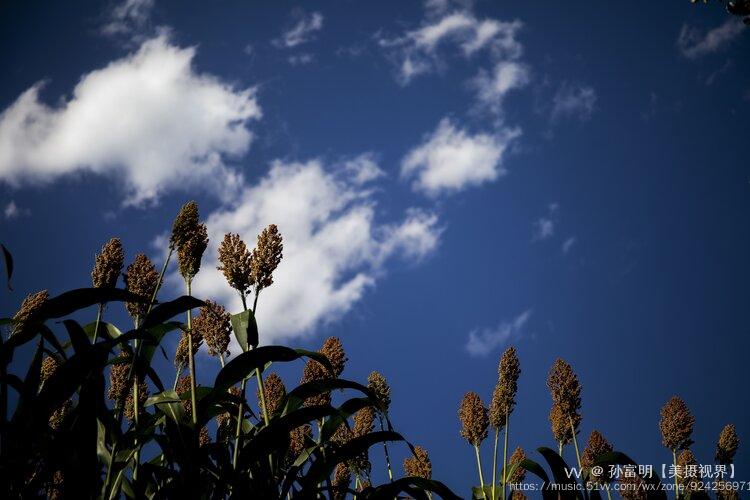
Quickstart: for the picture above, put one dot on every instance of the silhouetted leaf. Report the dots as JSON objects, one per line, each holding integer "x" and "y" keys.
{"x": 245, "y": 329}
{"x": 8, "y": 265}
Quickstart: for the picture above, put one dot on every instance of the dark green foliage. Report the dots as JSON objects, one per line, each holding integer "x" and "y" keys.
{"x": 96, "y": 450}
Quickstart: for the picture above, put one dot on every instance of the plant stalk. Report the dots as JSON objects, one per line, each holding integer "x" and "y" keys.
{"x": 191, "y": 360}
{"x": 479, "y": 468}
{"x": 676, "y": 484}
{"x": 494, "y": 465}
{"x": 505, "y": 453}
{"x": 99, "y": 311}
{"x": 575, "y": 442}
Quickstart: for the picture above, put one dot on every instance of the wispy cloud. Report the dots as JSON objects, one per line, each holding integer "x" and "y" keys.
{"x": 301, "y": 59}
{"x": 544, "y": 227}
{"x": 451, "y": 159}
{"x": 302, "y": 31}
{"x": 575, "y": 100}
{"x": 694, "y": 43}
{"x": 130, "y": 17}
{"x": 13, "y": 211}
{"x": 416, "y": 52}
{"x": 483, "y": 341}
{"x": 492, "y": 87}
{"x": 568, "y": 244}
{"x": 149, "y": 118}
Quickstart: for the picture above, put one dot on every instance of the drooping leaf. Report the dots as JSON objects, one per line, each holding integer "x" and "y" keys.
{"x": 245, "y": 329}
{"x": 106, "y": 330}
{"x": 168, "y": 310}
{"x": 81, "y": 298}
{"x": 8, "y": 265}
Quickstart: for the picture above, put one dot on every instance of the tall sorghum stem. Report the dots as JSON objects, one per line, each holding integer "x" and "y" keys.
{"x": 240, "y": 412}
{"x": 387, "y": 455}
{"x": 191, "y": 360}
{"x": 676, "y": 484}
{"x": 505, "y": 453}
{"x": 98, "y": 320}
{"x": 479, "y": 468}
{"x": 259, "y": 374}
{"x": 113, "y": 451}
{"x": 575, "y": 442}
{"x": 494, "y": 465}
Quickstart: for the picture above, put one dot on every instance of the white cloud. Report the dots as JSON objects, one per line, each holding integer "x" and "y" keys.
{"x": 491, "y": 88}
{"x": 574, "y": 100}
{"x": 483, "y": 341}
{"x": 302, "y": 31}
{"x": 128, "y": 17}
{"x": 693, "y": 43}
{"x": 416, "y": 52}
{"x": 13, "y": 211}
{"x": 149, "y": 118}
{"x": 335, "y": 248}
{"x": 300, "y": 59}
{"x": 450, "y": 159}
{"x": 567, "y": 245}
{"x": 544, "y": 227}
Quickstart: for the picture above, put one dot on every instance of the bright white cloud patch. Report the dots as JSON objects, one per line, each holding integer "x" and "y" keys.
{"x": 416, "y": 52}
{"x": 483, "y": 341}
{"x": 574, "y": 100}
{"x": 693, "y": 43}
{"x": 451, "y": 159}
{"x": 302, "y": 31}
{"x": 148, "y": 118}
{"x": 334, "y": 246}
{"x": 492, "y": 87}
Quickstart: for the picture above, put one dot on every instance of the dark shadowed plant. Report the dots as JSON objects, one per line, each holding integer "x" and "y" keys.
{"x": 62, "y": 436}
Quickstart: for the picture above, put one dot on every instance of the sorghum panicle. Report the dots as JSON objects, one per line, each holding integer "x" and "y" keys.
{"x": 141, "y": 279}
{"x": 26, "y": 315}
{"x": 214, "y": 326}
{"x": 474, "y": 419}
{"x": 727, "y": 445}
{"x": 418, "y": 464}
{"x": 519, "y": 474}
{"x": 190, "y": 252}
{"x": 235, "y": 260}
{"x": 566, "y": 393}
{"x": 504, "y": 396}
{"x": 275, "y": 392}
{"x": 596, "y": 446}
{"x": 379, "y": 386}
{"x": 184, "y": 223}
{"x": 266, "y": 257}
{"x": 676, "y": 424}
{"x": 333, "y": 349}
{"x": 108, "y": 265}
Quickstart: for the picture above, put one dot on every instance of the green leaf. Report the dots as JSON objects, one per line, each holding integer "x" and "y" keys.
{"x": 412, "y": 486}
{"x": 245, "y": 329}
{"x": 8, "y": 265}
{"x": 107, "y": 330}
{"x": 81, "y": 298}
{"x": 168, "y": 310}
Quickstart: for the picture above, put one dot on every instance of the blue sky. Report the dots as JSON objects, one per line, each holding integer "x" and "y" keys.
{"x": 450, "y": 178}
